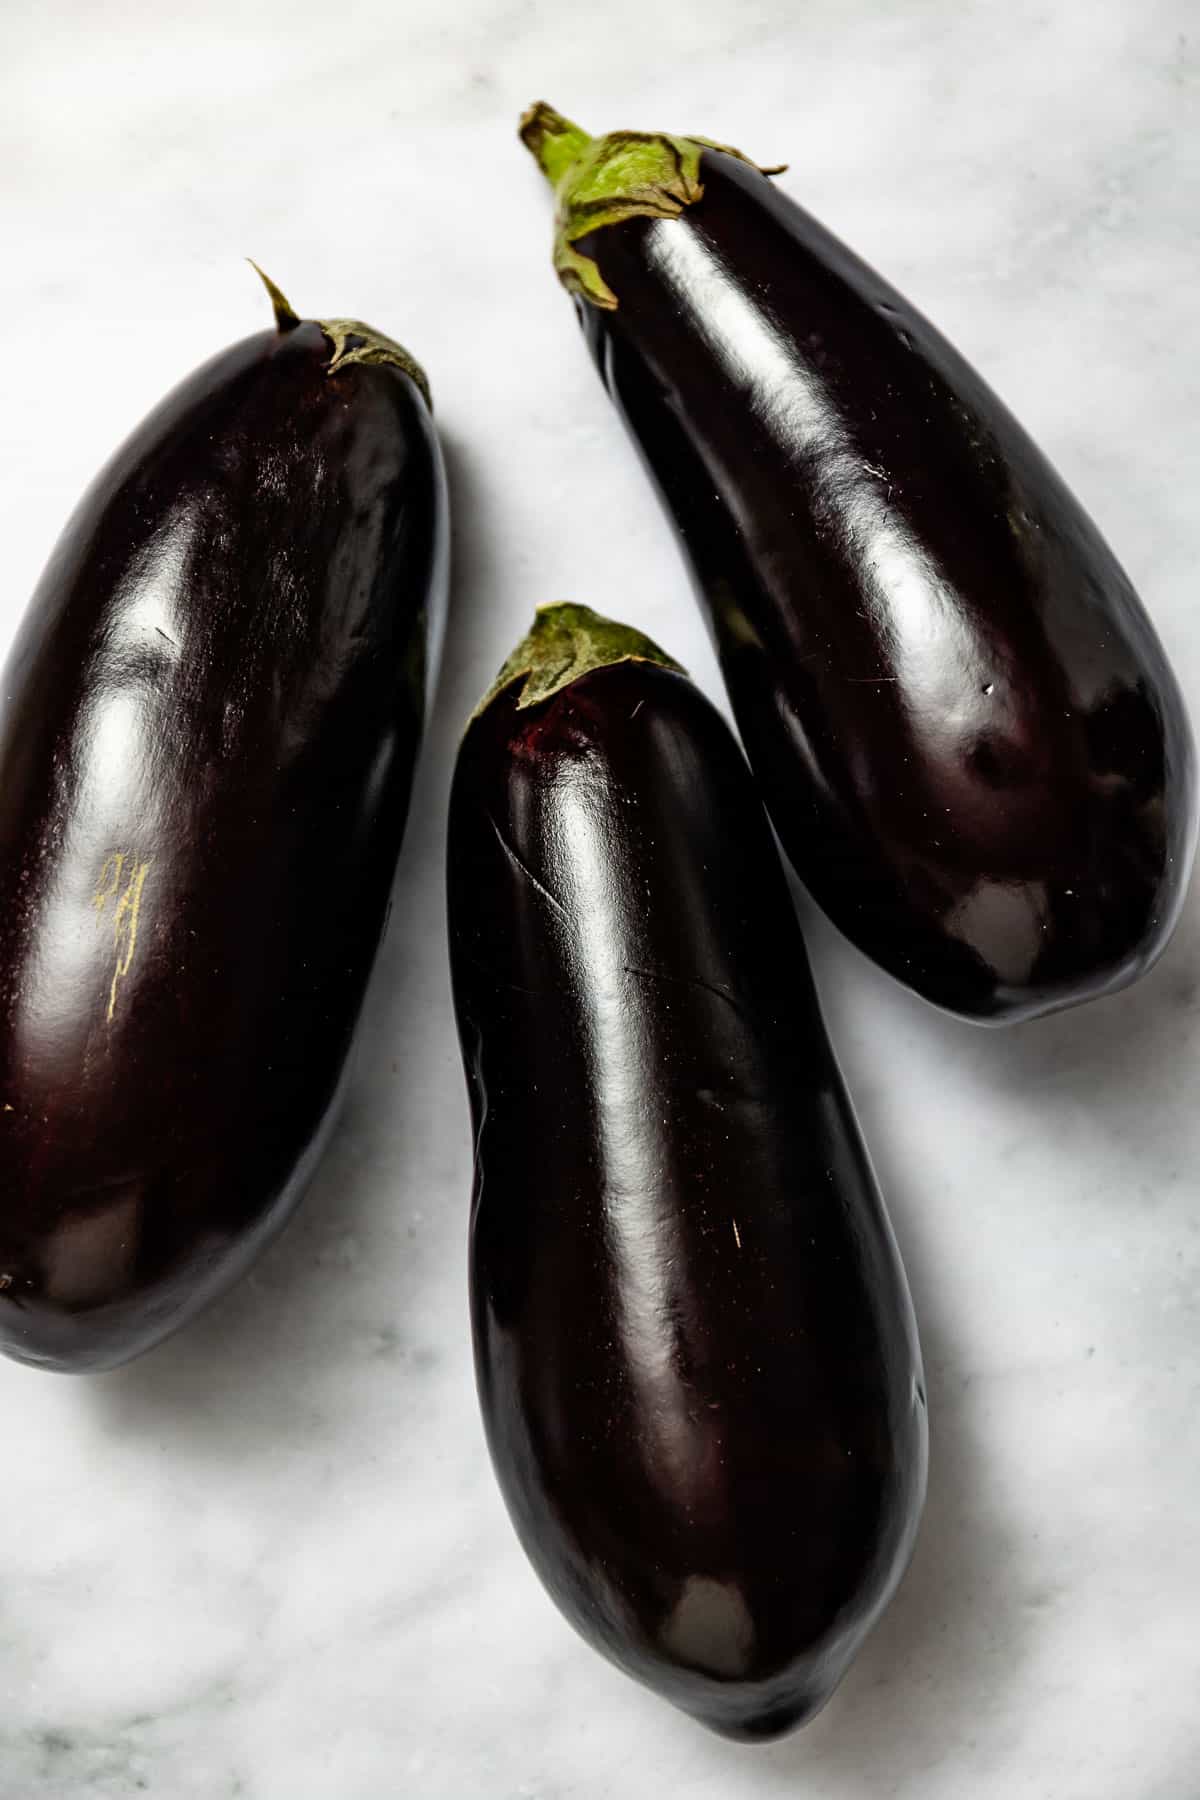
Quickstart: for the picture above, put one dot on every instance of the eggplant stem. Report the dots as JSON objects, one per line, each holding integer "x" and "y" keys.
{"x": 554, "y": 142}
{"x": 285, "y": 318}
{"x": 565, "y": 642}
{"x": 600, "y": 181}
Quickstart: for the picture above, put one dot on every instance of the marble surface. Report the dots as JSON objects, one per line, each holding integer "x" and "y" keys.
{"x": 269, "y": 1560}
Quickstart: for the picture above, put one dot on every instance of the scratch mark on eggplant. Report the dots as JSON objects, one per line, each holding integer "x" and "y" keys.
{"x": 693, "y": 981}
{"x": 125, "y": 915}
{"x": 528, "y": 874}
{"x": 116, "y": 863}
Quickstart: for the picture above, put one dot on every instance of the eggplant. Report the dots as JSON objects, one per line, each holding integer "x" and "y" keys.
{"x": 962, "y": 723}
{"x": 697, "y": 1362}
{"x": 211, "y": 715}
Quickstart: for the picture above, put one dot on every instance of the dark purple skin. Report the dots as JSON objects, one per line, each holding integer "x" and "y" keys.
{"x": 211, "y": 717}
{"x": 696, "y": 1356}
{"x": 964, "y": 727}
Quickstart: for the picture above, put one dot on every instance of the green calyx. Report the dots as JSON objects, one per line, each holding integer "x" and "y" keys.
{"x": 351, "y": 340}
{"x": 600, "y": 181}
{"x": 565, "y": 642}
{"x": 354, "y": 342}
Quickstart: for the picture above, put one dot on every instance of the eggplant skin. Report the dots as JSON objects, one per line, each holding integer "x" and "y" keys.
{"x": 696, "y": 1356}
{"x": 211, "y": 716}
{"x": 963, "y": 725}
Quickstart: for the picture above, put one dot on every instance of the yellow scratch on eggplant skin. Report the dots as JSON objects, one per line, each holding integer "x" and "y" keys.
{"x": 115, "y": 862}
{"x": 125, "y": 928}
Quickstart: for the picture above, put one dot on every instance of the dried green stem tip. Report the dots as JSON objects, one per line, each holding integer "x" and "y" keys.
{"x": 600, "y": 181}
{"x": 350, "y": 340}
{"x": 285, "y": 318}
{"x": 565, "y": 642}
{"x": 553, "y": 142}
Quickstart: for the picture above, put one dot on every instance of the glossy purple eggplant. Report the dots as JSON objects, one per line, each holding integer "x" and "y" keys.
{"x": 963, "y": 725}
{"x": 211, "y": 716}
{"x": 696, "y": 1356}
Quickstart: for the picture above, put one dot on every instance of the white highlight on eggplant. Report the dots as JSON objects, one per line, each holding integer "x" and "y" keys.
{"x": 645, "y": 1252}
{"x": 932, "y": 648}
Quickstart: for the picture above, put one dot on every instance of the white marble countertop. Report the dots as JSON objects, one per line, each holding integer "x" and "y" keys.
{"x": 269, "y": 1560}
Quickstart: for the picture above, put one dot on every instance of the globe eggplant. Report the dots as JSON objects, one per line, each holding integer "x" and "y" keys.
{"x": 963, "y": 725}
{"x": 696, "y": 1357}
{"x": 211, "y": 715}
